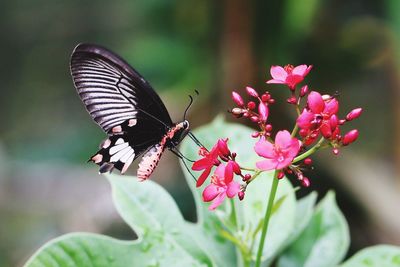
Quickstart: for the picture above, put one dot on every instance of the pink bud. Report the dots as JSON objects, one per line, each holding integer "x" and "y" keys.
{"x": 246, "y": 114}
{"x": 223, "y": 147}
{"x": 268, "y": 127}
{"x": 350, "y": 137}
{"x": 333, "y": 122}
{"x": 355, "y": 113}
{"x": 341, "y": 122}
{"x": 255, "y": 134}
{"x": 292, "y": 100}
{"x": 305, "y": 182}
{"x": 308, "y": 161}
{"x": 254, "y": 118}
{"x": 241, "y": 195}
{"x": 271, "y": 101}
{"x": 303, "y": 90}
{"x": 281, "y": 175}
{"x": 237, "y": 99}
{"x": 303, "y": 132}
{"x": 265, "y": 97}
{"x": 335, "y": 151}
{"x": 251, "y": 91}
{"x": 263, "y": 111}
{"x": 251, "y": 105}
{"x": 246, "y": 177}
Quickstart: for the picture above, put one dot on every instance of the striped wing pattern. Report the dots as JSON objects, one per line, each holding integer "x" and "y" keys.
{"x": 108, "y": 95}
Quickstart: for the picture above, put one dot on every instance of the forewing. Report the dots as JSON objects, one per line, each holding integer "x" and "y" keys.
{"x": 113, "y": 92}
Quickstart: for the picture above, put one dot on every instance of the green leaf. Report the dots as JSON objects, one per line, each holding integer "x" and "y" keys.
{"x": 91, "y": 250}
{"x": 251, "y": 210}
{"x": 324, "y": 241}
{"x": 376, "y": 256}
{"x": 304, "y": 213}
{"x": 164, "y": 237}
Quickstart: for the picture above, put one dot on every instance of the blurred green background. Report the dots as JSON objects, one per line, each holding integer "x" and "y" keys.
{"x": 46, "y": 136}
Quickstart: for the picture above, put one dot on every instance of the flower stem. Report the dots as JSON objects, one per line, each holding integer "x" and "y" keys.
{"x": 310, "y": 151}
{"x": 267, "y": 217}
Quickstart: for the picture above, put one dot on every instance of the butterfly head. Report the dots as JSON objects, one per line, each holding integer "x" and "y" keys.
{"x": 180, "y": 130}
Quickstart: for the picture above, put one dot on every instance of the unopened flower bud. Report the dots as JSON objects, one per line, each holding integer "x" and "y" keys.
{"x": 355, "y": 113}
{"x": 251, "y": 105}
{"x": 303, "y": 90}
{"x": 292, "y": 100}
{"x": 341, "y": 122}
{"x": 263, "y": 111}
{"x": 308, "y": 161}
{"x": 265, "y": 97}
{"x": 254, "y": 118}
{"x": 237, "y": 111}
{"x": 246, "y": 114}
{"x": 280, "y": 175}
{"x": 223, "y": 147}
{"x": 271, "y": 101}
{"x": 237, "y": 99}
{"x": 251, "y": 91}
{"x": 333, "y": 121}
{"x": 241, "y": 195}
{"x": 268, "y": 127}
{"x": 303, "y": 132}
{"x": 305, "y": 182}
{"x": 350, "y": 137}
{"x": 246, "y": 177}
{"x": 255, "y": 134}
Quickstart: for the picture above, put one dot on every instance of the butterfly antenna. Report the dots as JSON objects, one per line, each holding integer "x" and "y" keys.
{"x": 187, "y": 108}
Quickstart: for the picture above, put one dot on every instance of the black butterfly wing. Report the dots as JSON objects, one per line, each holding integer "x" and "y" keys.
{"x": 121, "y": 102}
{"x": 113, "y": 91}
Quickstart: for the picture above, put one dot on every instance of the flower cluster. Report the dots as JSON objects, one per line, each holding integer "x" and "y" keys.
{"x": 289, "y": 152}
{"x": 222, "y": 183}
{"x": 250, "y": 109}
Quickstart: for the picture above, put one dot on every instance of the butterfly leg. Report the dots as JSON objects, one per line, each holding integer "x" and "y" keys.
{"x": 182, "y": 158}
{"x": 191, "y": 135}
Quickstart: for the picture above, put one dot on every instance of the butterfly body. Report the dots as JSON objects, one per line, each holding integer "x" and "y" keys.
{"x": 126, "y": 107}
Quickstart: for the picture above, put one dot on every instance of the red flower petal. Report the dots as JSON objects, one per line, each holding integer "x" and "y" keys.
{"x": 203, "y": 177}
{"x": 233, "y": 189}
{"x": 210, "y": 192}
{"x": 264, "y": 148}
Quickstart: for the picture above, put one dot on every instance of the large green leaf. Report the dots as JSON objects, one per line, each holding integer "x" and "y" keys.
{"x": 164, "y": 237}
{"x": 376, "y": 256}
{"x": 324, "y": 241}
{"x": 251, "y": 210}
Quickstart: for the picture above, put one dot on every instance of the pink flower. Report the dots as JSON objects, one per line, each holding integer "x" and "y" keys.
{"x": 289, "y": 75}
{"x": 319, "y": 116}
{"x": 209, "y": 160}
{"x": 278, "y": 155}
{"x": 222, "y": 185}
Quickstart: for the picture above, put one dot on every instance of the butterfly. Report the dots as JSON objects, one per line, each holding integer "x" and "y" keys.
{"x": 127, "y": 108}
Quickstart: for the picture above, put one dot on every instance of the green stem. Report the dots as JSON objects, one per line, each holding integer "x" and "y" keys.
{"x": 295, "y": 129}
{"x": 310, "y": 151}
{"x": 267, "y": 217}
{"x": 248, "y": 169}
{"x": 233, "y": 214}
